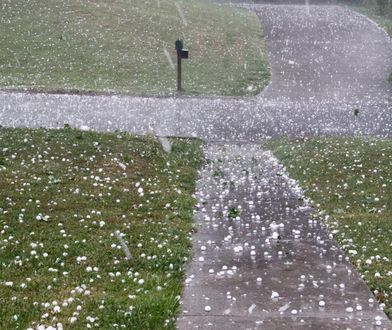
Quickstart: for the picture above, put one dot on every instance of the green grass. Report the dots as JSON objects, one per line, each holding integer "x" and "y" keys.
{"x": 385, "y": 21}
{"x": 88, "y": 185}
{"x": 350, "y": 181}
{"x": 119, "y": 46}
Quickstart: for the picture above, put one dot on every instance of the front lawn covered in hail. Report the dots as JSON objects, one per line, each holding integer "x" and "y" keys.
{"x": 128, "y": 46}
{"x": 72, "y": 204}
{"x": 350, "y": 182}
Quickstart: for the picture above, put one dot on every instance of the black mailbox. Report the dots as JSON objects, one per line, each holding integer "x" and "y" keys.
{"x": 183, "y": 53}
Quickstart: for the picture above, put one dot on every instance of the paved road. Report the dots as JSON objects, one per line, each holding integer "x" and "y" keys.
{"x": 325, "y": 63}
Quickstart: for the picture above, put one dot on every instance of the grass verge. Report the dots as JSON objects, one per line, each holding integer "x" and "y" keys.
{"x": 373, "y": 13}
{"x": 125, "y": 46}
{"x": 350, "y": 181}
{"x": 65, "y": 195}
{"x": 385, "y": 21}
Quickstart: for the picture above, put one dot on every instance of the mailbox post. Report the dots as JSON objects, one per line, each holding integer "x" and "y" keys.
{"x": 181, "y": 54}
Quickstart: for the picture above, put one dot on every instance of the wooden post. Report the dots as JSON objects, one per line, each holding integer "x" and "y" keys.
{"x": 179, "y": 73}
{"x": 181, "y": 54}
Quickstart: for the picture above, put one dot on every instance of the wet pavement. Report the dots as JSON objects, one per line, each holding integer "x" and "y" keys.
{"x": 261, "y": 260}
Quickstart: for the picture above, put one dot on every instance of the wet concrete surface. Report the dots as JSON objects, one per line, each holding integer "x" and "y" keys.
{"x": 326, "y": 62}
{"x": 257, "y": 238}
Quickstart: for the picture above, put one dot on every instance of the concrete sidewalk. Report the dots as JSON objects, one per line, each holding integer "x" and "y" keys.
{"x": 261, "y": 259}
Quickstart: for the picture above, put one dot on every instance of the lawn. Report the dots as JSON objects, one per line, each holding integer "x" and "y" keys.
{"x": 127, "y": 46}
{"x": 350, "y": 183}
{"x": 378, "y": 11}
{"x": 71, "y": 204}
{"x": 385, "y": 21}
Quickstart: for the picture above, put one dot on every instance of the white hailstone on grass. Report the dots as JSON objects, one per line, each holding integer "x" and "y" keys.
{"x": 259, "y": 280}
{"x": 207, "y": 308}
{"x": 56, "y": 309}
{"x": 294, "y": 312}
{"x": 322, "y": 303}
{"x": 80, "y": 259}
{"x": 253, "y": 253}
{"x": 274, "y": 295}
{"x": 140, "y": 282}
{"x": 203, "y": 248}
{"x": 9, "y": 283}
